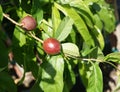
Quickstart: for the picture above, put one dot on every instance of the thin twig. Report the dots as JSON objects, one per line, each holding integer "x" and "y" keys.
{"x": 10, "y": 19}
{"x": 91, "y": 59}
{"x": 84, "y": 59}
{"x": 35, "y": 37}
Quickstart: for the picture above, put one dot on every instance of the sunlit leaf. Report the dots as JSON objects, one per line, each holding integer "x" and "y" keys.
{"x": 47, "y": 27}
{"x": 83, "y": 70}
{"x": 29, "y": 57}
{"x": 98, "y": 22}
{"x": 55, "y": 18}
{"x": 86, "y": 49}
{"x": 84, "y": 12}
{"x": 95, "y": 80}
{"x": 91, "y": 76}
{"x": 64, "y": 29}
{"x": 98, "y": 35}
{"x": 89, "y": 2}
{"x": 78, "y": 22}
{"x": 19, "y": 40}
{"x": 108, "y": 21}
{"x": 1, "y": 14}
{"x": 114, "y": 57}
{"x": 70, "y": 49}
{"x": 52, "y": 74}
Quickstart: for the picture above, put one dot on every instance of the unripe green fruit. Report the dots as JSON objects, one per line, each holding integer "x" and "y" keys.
{"x": 51, "y": 46}
{"x": 28, "y": 23}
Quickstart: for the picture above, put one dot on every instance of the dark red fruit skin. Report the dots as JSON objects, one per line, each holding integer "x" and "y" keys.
{"x": 51, "y": 46}
{"x": 28, "y": 23}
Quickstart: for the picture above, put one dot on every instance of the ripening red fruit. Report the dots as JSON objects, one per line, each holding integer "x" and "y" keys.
{"x": 51, "y": 46}
{"x": 28, "y": 23}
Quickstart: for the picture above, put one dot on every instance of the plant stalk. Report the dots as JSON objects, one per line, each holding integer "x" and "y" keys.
{"x": 41, "y": 41}
{"x": 13, "y": 21}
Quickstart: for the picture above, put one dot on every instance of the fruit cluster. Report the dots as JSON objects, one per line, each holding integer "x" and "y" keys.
{"x": 51, "y": 45}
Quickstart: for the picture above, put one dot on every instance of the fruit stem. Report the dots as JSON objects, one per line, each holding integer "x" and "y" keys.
{"x": 14, "y": 22}
{"x": 35, "y": 37}
{"x": 18, "y": 24}
{"x": 84, "y": 59}
{"x": 91, "y": 59}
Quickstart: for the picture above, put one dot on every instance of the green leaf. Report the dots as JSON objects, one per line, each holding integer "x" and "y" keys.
{"x": 91, "y": 76}
{"x": 64, "y": 29}
{"x": 19, "y": 34}
{"x": 93, "y": 53}
{"x": 86, "y": 18}
{"x": 29, "y": 57}
{"x": 88, "y": 2}
{"x": 98, "y": 22}
{"x": 39, "y": 49}
{"x": 72, "y": 37}
{"x": 70, "y": 49}
{"x": 52, "y": 74}
{"x": 1, "y": 14}
{"x": 95, "y": 80}
{"x": 87, "y": 15}
{"x": 84, "y": 12}
{"x": 23, "y": 47}
{"x": 103, "y": 3}
{"x": 100, "y": 55}
{"x": 7, "y": 83}
{"x": 47, "y": 27}
{"x": 83, "y": 71}
{"x": 98, "y": 35}
{"x": 36, "y": 87}
{"x": 37, "y": 11}
{"x": 19, "y": 40}
{"x": 78, "y": 22}
{"x": 69, "y": 76}
{"x": 114, "y": 57}
{"x": 86, "y": 49}
{"x": 108, "y": 21}
{"x": 55, "y": 18}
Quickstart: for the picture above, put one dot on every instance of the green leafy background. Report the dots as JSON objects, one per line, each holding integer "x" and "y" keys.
{"x": 78, "y": 25}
